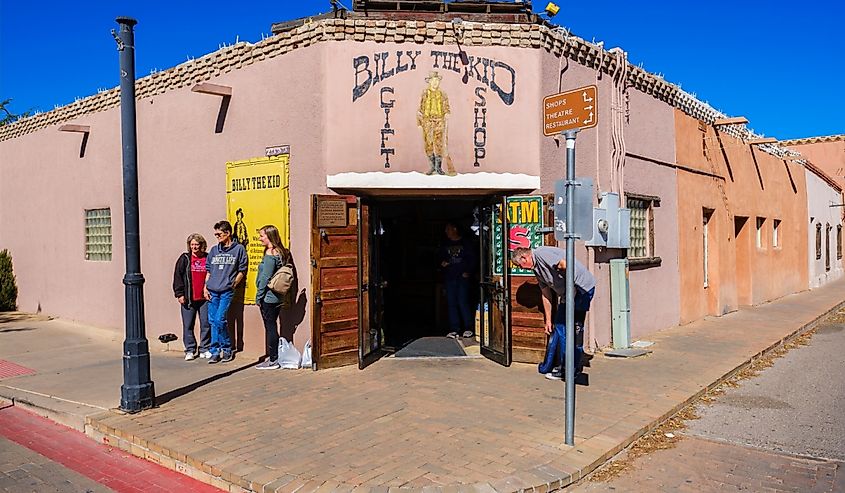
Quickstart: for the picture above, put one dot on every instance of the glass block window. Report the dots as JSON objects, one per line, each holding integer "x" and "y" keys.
{"x": 98, "y": 234}
{"x": 642, "y": 233}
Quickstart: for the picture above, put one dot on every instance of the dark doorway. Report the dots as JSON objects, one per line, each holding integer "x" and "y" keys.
{"x": 410, "y": 236}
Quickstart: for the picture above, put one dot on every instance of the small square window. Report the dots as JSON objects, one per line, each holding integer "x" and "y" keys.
{"x": 98, "y": 235}
{"x": 642, "y": 225}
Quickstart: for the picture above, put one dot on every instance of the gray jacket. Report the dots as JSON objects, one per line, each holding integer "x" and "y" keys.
{"x": 223, "y": 265}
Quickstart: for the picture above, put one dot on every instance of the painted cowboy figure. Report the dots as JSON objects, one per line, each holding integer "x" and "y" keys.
{"x": 431, "y": 117}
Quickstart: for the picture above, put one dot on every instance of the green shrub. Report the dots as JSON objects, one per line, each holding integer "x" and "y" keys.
{"x": 8, "y": 288}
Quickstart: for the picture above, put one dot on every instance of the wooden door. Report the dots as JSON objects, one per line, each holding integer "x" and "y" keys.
{"x": 370, "y": 296}
{"x": 495, "y": 322}
{"x": 527, "y": 321}
{"x": 335, "y": 280}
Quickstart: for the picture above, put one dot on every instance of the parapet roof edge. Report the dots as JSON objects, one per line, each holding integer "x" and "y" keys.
{"x": 556, "y": 40}
{"x": 812, "y": 140}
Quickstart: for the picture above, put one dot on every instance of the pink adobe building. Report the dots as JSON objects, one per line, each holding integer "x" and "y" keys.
{"x": 355, "y": 99}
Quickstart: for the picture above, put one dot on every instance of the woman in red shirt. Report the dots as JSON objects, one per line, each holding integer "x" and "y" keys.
{"x": 188, "y": 284}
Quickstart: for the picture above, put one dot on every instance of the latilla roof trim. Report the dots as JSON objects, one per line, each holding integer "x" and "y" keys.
{"x": 554, "y": 40}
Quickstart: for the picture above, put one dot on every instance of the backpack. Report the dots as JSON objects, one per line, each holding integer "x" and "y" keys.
{"x": 282, "y": 280}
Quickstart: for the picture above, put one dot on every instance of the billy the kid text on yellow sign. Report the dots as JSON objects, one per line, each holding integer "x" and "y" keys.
{"x": 258, "y": 193}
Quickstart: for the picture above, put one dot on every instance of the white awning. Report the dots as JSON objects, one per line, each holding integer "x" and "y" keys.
{"x": 414, "y": 182}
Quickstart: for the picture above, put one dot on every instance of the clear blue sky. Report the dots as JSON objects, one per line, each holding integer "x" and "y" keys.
{"x": 781, "y": 64}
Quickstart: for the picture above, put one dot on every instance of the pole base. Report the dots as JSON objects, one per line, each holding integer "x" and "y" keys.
{"x": 136, "y": 398}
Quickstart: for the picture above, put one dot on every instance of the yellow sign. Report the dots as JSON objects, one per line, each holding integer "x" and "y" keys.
{"x": 258, "y": 194}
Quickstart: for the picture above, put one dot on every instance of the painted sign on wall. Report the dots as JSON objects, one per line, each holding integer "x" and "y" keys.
{"x": 481, "y": 79}
{"x": 525, "y": 218}
{"x": 258, "y": 194}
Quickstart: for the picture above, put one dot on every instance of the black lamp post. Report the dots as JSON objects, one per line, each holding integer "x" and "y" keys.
{"x": 137, "y": 392}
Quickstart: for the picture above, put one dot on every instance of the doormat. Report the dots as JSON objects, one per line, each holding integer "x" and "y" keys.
{"x": 431, "y": 346}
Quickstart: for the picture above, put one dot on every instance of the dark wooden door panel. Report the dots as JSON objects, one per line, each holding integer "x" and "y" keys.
{"x": 335, "y": 311}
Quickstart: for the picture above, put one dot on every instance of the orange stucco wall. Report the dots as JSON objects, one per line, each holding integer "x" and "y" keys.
{"x": 735, "y": 181}
{"x": 829, "y": 156}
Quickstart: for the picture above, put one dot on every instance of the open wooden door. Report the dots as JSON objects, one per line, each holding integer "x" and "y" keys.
{"x": 370, "y": 296}
{"x": 335, "y": 281}
{"x": 495, "y": 323}
{"x": 527, "y": 321}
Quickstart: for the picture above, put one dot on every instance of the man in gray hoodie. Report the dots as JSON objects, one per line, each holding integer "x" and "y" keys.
{"x": 225, "y": 267}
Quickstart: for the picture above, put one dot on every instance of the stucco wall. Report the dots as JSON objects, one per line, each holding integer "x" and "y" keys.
{"x": 649, "y": 132}
{"x": 820, "y": 196}
{"x": 182, "y": 189}
{"x": 749, "y": 184}
{"x": 378, "y": 86}
{"x": 829, "y": 156}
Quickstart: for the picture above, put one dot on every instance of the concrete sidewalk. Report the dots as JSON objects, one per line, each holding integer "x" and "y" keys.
{"x": 438, "y": 425}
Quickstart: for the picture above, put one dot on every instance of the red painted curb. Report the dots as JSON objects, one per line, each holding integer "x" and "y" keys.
{"x": 108, "y": 466}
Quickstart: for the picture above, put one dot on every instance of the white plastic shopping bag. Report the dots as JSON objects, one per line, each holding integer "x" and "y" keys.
{"x": 289, "y": 356}
{"x": 306, "y": 355}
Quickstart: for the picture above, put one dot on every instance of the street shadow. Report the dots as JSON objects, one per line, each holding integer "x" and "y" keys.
{"x": 176, "y": 393}
{"x": 235, "y": 318}
{"x": 21, "y": 329}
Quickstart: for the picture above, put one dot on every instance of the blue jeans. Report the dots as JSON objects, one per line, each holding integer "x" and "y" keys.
{"x": 218, "y": 307}
{"x": 457, "y": 302}
{"x": 556, "y": 351}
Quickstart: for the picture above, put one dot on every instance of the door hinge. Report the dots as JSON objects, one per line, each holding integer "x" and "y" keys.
{"x": 318, "y": 300}
{"x": 313, "y": 262}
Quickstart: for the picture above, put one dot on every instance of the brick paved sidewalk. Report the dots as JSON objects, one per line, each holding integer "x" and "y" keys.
{"x": 444, "y": 425}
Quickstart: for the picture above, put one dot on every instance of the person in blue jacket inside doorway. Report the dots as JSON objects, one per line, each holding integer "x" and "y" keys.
{"x": 549, "y": 266}
{"x": 226, "y": 267}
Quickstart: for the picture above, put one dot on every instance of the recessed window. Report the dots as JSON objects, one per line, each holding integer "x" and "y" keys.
{"x": 707, "y": 215}
{"x": 761, "y": 223}
{"x": 642, "y": 226}
{"x": 776, "y": 233}
{"x": 838, "y": 241}
{"x": 98, "y": 235}
{"x": 818, "y": 241}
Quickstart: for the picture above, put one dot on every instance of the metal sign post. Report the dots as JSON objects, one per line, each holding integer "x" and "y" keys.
{"x": 566, "y": 113}
{"x": 570, "y": 287}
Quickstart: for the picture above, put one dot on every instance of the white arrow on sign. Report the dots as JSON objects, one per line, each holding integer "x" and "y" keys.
{"x": 589, "y": 120}
{"x": 586, "y": 99}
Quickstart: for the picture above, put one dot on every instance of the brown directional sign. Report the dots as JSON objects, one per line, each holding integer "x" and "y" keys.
{"x": 569, "y": 110}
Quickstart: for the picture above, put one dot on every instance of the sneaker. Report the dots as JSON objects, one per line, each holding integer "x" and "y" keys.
{"x": 214, "y": 358}
{"x": 227, "y": 357}
{"x": 468, "y": 333}
{"x": 205, "y": 354}
{"x": 452, "y": 335}
{"x": 267, "y": 365}
{"x": 190, "y": 356}
{"x": 554, "y": 375}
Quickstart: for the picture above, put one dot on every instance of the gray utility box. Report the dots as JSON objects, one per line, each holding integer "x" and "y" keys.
{"x": 611, "y": 223}
{"x": 620, "y": 303}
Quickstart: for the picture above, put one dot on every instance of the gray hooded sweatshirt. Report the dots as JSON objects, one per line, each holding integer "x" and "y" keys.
{"x": 223, "y": 265}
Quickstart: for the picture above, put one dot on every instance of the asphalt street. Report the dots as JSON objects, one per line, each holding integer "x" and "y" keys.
{"x": 782, "y": 430}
